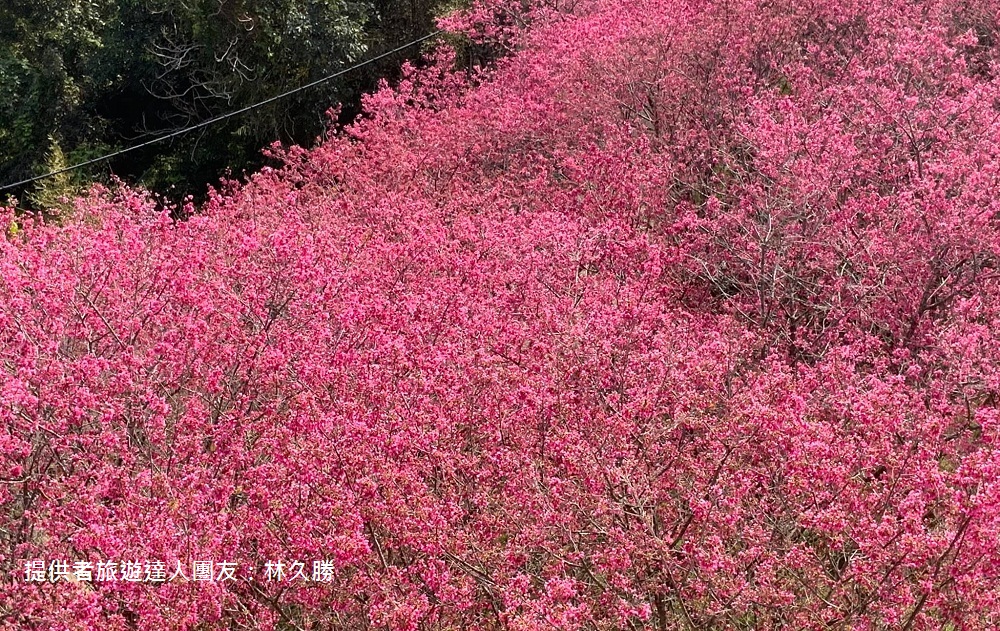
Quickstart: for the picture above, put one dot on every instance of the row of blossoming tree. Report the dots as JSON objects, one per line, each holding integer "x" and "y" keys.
{"x": 683, "y": 317}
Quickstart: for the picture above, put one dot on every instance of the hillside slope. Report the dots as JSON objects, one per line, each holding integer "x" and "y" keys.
{"x": 683, "y": 317}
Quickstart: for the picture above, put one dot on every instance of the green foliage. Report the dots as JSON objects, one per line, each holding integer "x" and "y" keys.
{"x": 98, "y": 75}
{"x": 53, "y": 194}
{"x": 48, "y": 51}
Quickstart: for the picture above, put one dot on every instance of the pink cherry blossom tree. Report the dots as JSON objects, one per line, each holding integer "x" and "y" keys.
{"x": 683, "y": 316}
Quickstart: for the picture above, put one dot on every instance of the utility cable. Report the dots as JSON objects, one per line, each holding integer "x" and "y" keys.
{"x": 222, "y": 117}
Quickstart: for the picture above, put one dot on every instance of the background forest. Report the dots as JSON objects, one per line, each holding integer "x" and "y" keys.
{"x": 82, "y": 78}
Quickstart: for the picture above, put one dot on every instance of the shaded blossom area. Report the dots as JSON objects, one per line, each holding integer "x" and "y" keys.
{"x": 682, "y": 317}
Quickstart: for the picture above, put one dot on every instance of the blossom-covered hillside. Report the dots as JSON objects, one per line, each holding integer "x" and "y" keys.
{"x": 683, "y": 317}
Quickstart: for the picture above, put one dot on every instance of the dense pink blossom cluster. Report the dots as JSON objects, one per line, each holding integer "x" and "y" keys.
{"x": 686, "y": 316}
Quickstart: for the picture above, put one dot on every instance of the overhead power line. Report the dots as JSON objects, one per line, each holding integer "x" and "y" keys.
{"x": 222, "y": 117}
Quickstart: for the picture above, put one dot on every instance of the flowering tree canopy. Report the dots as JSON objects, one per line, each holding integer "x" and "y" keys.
{"x": 683, "y": 317}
